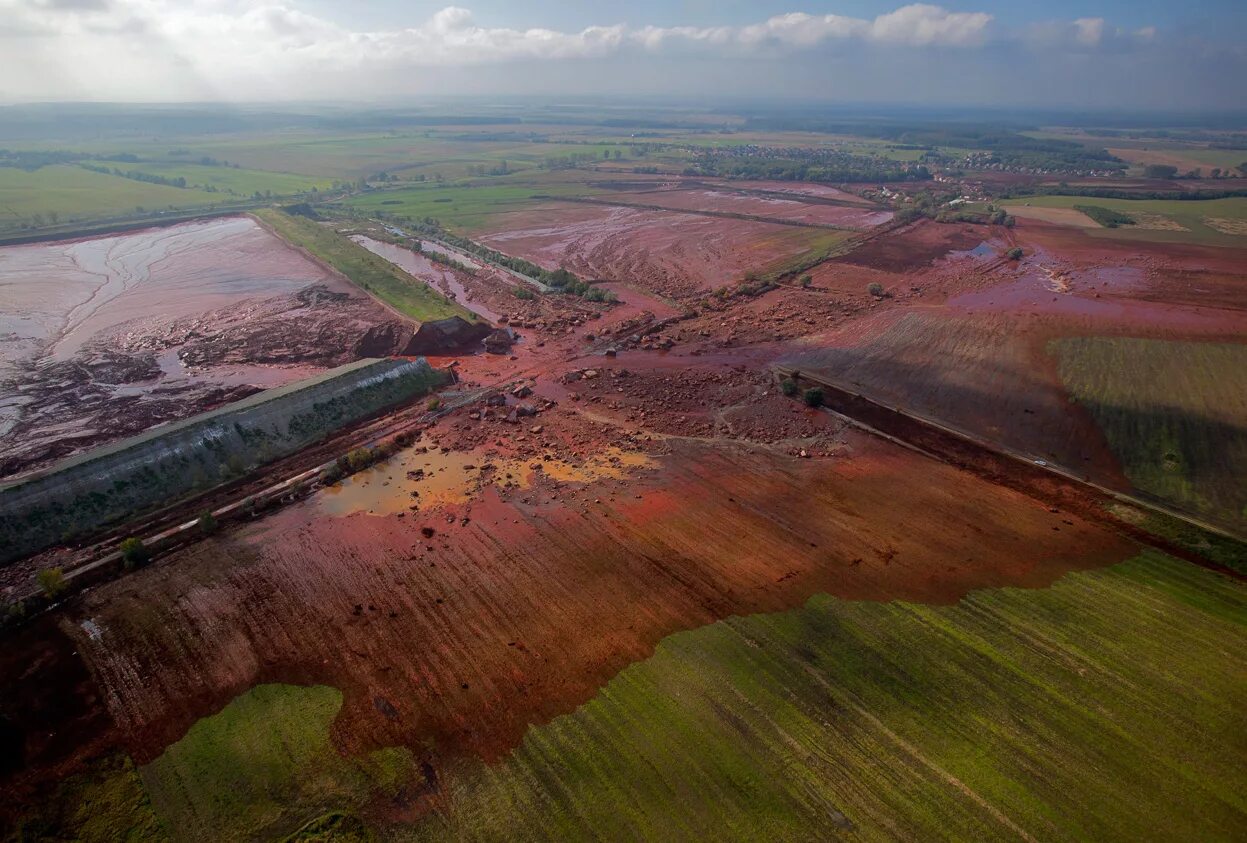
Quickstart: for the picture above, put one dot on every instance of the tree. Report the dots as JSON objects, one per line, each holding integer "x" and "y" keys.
{"x": 134, "y": 553}
{"x": 52, "y": 582}
{"x": 1160, "y": 171}
{"x": 813, "y": 397}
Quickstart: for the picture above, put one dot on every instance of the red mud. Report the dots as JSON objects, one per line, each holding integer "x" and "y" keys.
{"x": 527, "y": 558}
{"x": 524, "y": 602}
{"x": 669, "y": 253}
{"x": 975, "y": 354}
{"x": 727, "y": 200}
{"x": 115, "y": 334}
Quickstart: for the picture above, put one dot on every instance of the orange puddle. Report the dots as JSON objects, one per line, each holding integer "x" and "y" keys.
{"x": 455, "y": 477}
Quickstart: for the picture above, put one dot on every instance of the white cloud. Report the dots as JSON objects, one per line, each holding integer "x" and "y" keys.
{"x": 233, "y": 48}
{"x": 920, "y": 24}
{"x": 1089, "y": 31}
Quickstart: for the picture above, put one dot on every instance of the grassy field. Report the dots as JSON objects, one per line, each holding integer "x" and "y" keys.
{"x": 375, "y": 275}
{"x": 1106, "y": 707}
{"x": 468, "y": 208}
{"x": 75, "y": 194}
{"x": 1160, "y": 220}
{"x": 265, "y": 765}
{"x": 1174, "y": 413}
{"x": 233, "y": 181}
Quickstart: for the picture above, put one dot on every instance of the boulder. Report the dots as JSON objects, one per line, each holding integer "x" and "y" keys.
{"x": 446, "y": 335}
{"x": 499, "y": 341}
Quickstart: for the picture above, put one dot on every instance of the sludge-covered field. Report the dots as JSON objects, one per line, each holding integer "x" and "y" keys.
{"x": 620, "y": 585}
{"x": 106, "y": 337}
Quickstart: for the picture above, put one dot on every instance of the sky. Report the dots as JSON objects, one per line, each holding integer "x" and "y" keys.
{"x": 1086, "y": 54}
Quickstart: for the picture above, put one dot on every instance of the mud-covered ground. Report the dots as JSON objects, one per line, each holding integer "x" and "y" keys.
{"x": 970, "y": 339}
{"x": 669, "y": 253}
{"x": 624, "y": 473}
{"x": 106, "y": 337}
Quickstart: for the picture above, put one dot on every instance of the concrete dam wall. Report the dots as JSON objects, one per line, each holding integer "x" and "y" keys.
{"x": 172, "y": 461}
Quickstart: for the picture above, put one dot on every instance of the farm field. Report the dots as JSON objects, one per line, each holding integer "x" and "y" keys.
{"x": 673, "y": 729}
{"x": 992, "y": 353}
{"x": 1221, "y": 222}
{"x": 1043, "y": 702}
{"x": 68, "y": 193}
{"x": 471, "y": 208}
{"x": 1175, "y": 415}
{"x": 630, "y": 571}
{"x": 670, "y": 253}
{"x": 730, "y": 201}
{"x": 233, "y": 181}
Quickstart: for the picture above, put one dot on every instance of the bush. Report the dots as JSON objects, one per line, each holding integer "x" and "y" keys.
{"x": 788, "y": 386}
{"x": 814, "y": 397}
{"x": 52, "y": 582}
{"x": 359, "y": 459}
{"x": 207, "y": 522}
{"x": 523, "y": 293}
{"x": 1015, "y": 254}
{"x": 134, "y": 553}
{"x": 434, "y": 403}
{"x": 876, "y": 290}
{"x": 806, "y": 280}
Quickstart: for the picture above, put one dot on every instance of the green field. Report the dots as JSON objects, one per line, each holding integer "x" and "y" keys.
{"x": 1174, "y": 413}
{"x": 468, "y": 208}
{"x": 74, "y": 194}
{"x": 265, "y": 765}
{"x": 376, "y": 275}
{"x": 229, "y": 180}
{"x": 1157, "y": 219}
{"x": 1105, "y": 707}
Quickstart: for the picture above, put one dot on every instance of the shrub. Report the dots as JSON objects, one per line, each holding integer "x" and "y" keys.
{"x": 814, "y": 397}
{"x": 523, "y": 293}
{"x": 359, "y": 459}
{"x": 806, "y": 280}
{"x": 434, "y": 403}
{"x": 207, "y": 522}
{"x": 1015, "y": 254}
{"x": 134, "y": 553}
{"x": 52, "y": 582}
{"x": 788, "y": 386}
{"x": 876, "y": 290}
